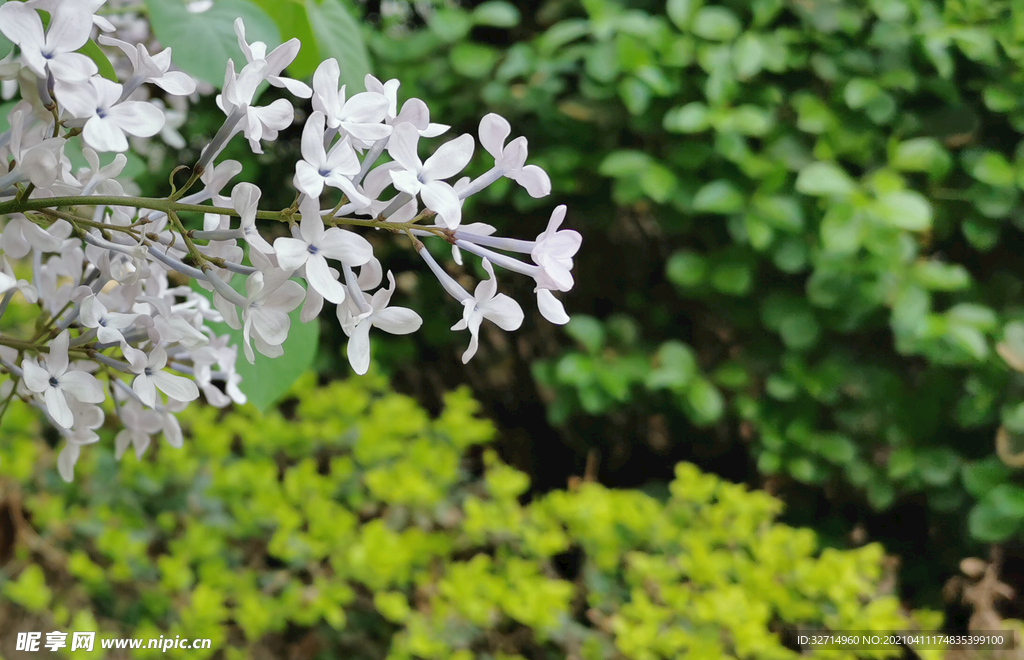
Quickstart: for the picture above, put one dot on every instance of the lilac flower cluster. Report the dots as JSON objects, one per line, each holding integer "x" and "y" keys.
{"x": 110, "y": 272}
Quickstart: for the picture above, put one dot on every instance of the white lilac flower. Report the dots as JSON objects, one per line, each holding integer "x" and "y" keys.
{"x": 316, "y": 245}
{"x": 108, "y": 325}
{"x": 395, "y": 320}
{"x": 55, "y": 382}
{"x": 554, "y": 250}
{"x": 9, "y": 281}
{"x": 427, "y": 178}
{"x": 487, "y": 303}
{"x": 510, "y": 159}
{"x": 107, "y": 117}
{"x": 277, "y": 60}
{"x": 245, "y": 198}
{"x": 151, "y": 68}
{"x": 270, "y": 295}
{"x": 256, "y": 122}
{"x": 54, "y": 50}
{"x": 320, "y": 167}
{"x": 360, "y": 116}
{"x": 414, "y": 111}
{"x": 150, "y": 377}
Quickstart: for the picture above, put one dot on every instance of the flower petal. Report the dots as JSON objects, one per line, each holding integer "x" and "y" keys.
{"x": 440, "y": 197}
{"x": 58, "y": 407}
{"x": 347, "y": 247}
{"x": 319, "y": 278}
{"x": 176, "y": 387}
{"x": 450, "y": 158}
{"x": 83, "y": 386}
{"x": 358, "y": 348}
{"x": 397, "y": 320}
{"x": 291, "y": 252}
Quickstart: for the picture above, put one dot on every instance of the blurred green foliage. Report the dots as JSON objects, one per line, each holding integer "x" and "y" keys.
{"x": 357, "y": 526}
{"x": 831, "y": 191}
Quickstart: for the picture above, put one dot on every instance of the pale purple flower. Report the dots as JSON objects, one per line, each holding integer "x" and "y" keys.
{"x": 316, "y": 245}
{"x": 56, "y": 383}
{"x": 320, "y": 167}
{"x": 150, "y": 377}
{"x": 54, "y": 50}
{"x": 108, "y": 119}
{"x": 487, "y": 303}
{"x": 277, "y": 60}
{"x": 360, "y": 116}
{"x": 426, "y": 178}
{"x": 108, "y": 325}
{"x": 395, "y": 320}
{"x": 510, "y": 159}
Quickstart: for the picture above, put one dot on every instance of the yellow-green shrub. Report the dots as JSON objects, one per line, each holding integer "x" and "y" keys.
{"x": 357, "y": 526}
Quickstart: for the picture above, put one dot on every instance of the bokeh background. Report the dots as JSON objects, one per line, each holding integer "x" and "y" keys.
{"x": 790, "y": 397}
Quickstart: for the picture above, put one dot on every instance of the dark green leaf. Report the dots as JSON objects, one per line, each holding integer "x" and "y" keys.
{"x": 182, "y": 30}
{"x": 338, "y": 36}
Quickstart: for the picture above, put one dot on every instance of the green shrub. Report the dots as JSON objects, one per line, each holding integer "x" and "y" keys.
{"x": 358, "y": 526}
{"x": 830, "y": 189}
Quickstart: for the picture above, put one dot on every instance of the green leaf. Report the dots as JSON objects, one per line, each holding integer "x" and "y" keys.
{"x": 970, "y": 339}
{"x": 716, "y": 24}
{"x": 824, "y": 179}
{"x": 587, "y": 330}
{"x": 450, "y": 24}
{"x": 993, "y": 168}
{"x": 988, "y": 525}
{"x": 800, "y": 330}
{"x": 292, "y": 20}
{"x": 732, "y": 277}
{"x": 624, "y": 163}
{"x": 901, "y": 463}
{"x": 835, "y": 447}
{"x": 93, "y": 52}
{"x": 1012, "y": 417}
{"x": 1008, "y": 499}
{"x": 747, "y": 119}
{"x": 922, "y": 154}
{"x": 496, "y": 13}
{"x": 941, "y": 276}
{"x": 658, "y": 182}
{"x": 937, "y": 467}
{"x": 338, "y": 36}
{"x": 681, "y": 11}
{"x": 748, "y": 55}
{"x": 905, "y": 209}
{"x": 686, "y": 269}
{"x": 981, "y": 477}
{"x": 860, "y": 91}
{"x": 705, "y": 402}
{"x": 719, "y": 196}
{"x": 675, "y": 366}
{"x": 5, "y": 45}
{"x": 690, "y": 118}
{"x": 473, "y": 60}
{"x": 635, "y": 94}
{"x": 202, "y": 43}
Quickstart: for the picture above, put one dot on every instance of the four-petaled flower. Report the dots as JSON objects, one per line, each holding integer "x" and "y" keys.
{"x": 487, "y": 303}
{"x": 55, "y": 382}
{"x": 376, "y": 314}
{"x": 150, "y": 377}
{"x": 319, "y": 166}
{"x": 425, "y": 178}
{"x": 316, "y": 245}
